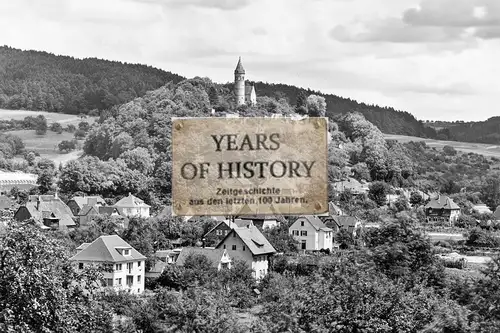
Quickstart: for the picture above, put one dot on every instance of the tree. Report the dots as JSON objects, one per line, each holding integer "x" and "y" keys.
{"x": 416, "y": 199}
{"x": 316, "y": 106}
{"x": 84, "y": 126}
{"x": 378, "y": 192}
{"x": 41, "y": 125}
{"x": 449, "y": 150}
{"x": 213, "y": 96}
{"x": 56, "y": 127}
{"x": 67, "y": 146}
{"x": 45, "y": 180}
{"x": 39, "y": 289}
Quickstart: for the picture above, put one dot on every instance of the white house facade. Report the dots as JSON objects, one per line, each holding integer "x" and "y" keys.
{"x": 123, "y": 266}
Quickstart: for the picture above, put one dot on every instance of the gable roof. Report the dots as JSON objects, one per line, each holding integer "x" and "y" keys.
{"x": 108, "y": 210}
{"x": 482, "y": 209}
{"x": 345, "y": 221}
{"x": 38, "y": 210}
{"x": 258, "y": 217}
{"x": 256, "y": 242}
{"x": 214, "y": 255}
{"x": 496, "y": 214}
{"x": 237, "y": 223}
{"x": 103, "y": 249}
{"x": 442, "y": 202}
{"x": 82, "y": 201}
{"x": 86, "y": 210}
{"x": 130, "y": 202}
{"x": 314, "y": 221}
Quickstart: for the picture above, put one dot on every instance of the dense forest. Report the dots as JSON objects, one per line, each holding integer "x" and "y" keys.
{"x": 34, "y": 80}
{"x": 475, "y": 131}
{"x": 387, "y": 119}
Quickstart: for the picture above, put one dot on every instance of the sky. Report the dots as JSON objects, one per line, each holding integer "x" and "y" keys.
{"x": 437, "y": 59}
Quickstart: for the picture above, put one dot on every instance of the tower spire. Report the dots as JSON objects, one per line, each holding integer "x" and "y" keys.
{"x": 239, "y": 67}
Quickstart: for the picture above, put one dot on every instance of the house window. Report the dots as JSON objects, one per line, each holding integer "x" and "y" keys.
{"x": 118, "y": 267}
{"x": 218, "y": 232}
{"x": 109, "y": 282}
{"x": 80, "y": 265}
{"x": 301, "y": 223}
{"x": 119, "y": 281}
{"x": 126, "y": 252}
{"x": 224, "y": 246}
{"x": 138, "y": 279}
{"x": 226, "y": 232}
{"x": 138, "y": 264}
{"x": 303, "y": 232}
{"x": 303, "y": 245}
{"x": 130, "y": 280}
{"x": 295, "y": 232}
{"x": 130, "y": 265}
{"x": 243, "y": 248}
{"x": 233, "y": 247}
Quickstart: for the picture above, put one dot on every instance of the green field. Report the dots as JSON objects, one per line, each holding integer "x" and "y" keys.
{"x": 46, "y": 145}
{"x": 466, "y": 147}
{"x": 62, "y": 118}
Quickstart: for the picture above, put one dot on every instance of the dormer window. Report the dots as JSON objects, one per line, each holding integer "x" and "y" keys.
{"x": 126, "y": 252}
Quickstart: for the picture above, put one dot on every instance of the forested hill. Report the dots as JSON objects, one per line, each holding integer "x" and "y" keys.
{"x": 36, "y": 80}
{"x": 387, "y": 119}
{"x": 476, "y": 131}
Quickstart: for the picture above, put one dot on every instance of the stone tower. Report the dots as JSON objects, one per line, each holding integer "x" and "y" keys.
{"x": 239, "y": 83}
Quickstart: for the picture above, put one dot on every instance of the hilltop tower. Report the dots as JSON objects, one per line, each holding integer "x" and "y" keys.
{"x": 239, "y": 83}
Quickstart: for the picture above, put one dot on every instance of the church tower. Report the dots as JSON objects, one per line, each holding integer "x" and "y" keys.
{"x": 239, "y": 83}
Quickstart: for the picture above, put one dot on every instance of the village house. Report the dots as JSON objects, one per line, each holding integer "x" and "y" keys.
{"x": 88, "y": 213}
{"x": 47, "y": 210}
{"x": 218, "y": 257}
{"x": 344, "y": 222}
{"x": 262, "y": 221}
{"x": 77, "y": 203}
{"x": 350, "y": 184}
{"x": 217, "y": 233}
{"x": 132, "y": 206}
{"x": 163, "y": 259}
{"x": 442, "y": 209}
{"x": 481, "y": 209}
{"x": 311, "y": 233}
{"x": 124, "y": 265}
{"x": 251, "y": 246}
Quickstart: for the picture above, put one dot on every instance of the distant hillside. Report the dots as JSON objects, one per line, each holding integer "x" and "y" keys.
{"x": 34, "y": 80}
{"x": 388, "y": 120}
{"x": 475, "y": 131}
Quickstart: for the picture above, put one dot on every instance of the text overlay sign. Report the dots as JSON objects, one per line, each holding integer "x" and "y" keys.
{"x": 247, "y": 166}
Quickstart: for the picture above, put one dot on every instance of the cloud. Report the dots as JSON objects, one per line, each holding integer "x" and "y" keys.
{"x": 432, "y": 21}
{"x": 454, "y": 13}
{"x": 259, "y": 31}
{"x": 395, "y": 31}
{"x": 212, "y": 4}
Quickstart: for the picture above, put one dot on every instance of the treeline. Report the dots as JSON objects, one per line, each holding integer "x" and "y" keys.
{"x": 34, "y": 80}
{"x": 482, "y": 131}
{"x": 387, "y": 119}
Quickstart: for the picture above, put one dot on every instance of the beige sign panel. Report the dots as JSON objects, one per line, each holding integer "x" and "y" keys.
{"x": 247, "y": 166}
